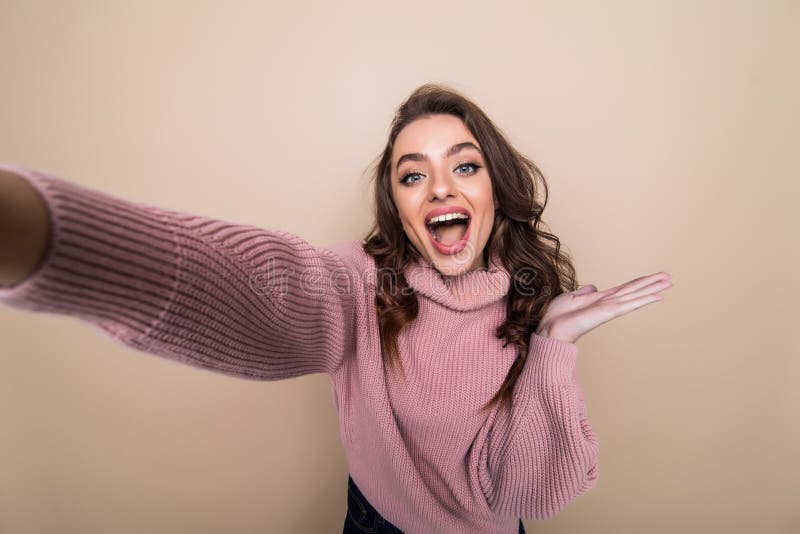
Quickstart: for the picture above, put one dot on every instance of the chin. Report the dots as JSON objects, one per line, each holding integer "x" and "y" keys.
{"x": 464, "y": 261}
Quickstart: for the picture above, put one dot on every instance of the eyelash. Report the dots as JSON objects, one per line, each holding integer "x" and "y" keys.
{"x": 411, "y": 173}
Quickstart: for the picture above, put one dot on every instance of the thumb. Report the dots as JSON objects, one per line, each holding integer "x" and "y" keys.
{"x": 588, "y": 288}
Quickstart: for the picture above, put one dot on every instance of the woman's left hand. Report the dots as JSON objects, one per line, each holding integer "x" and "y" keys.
{"x": 571, "y": 315}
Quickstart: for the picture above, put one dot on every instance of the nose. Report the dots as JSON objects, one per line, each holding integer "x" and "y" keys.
{"x": 441, "y": 185}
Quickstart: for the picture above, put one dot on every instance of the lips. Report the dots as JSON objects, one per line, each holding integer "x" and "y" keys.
{"x": 456, "y": 247}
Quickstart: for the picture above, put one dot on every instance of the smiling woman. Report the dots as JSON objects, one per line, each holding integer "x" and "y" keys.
{"x": 447, "y": 212}
{"x": 453, "y": 368}
{"x": 457, "y": 221}
{"x": 444, "y": 156}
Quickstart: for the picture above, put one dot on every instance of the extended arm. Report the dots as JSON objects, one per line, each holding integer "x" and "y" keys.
{"x": 237, "y": 299}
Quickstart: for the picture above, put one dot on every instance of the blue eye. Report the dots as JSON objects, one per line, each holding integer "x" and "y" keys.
{"x": 404, "y": 179}
{"x": 474, "y": 166}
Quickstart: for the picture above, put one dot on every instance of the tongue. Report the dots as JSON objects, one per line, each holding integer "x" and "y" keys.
{"x": 452, "y": 234}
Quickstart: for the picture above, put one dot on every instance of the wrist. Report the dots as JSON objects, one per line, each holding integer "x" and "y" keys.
{"x": 549, "y": 330}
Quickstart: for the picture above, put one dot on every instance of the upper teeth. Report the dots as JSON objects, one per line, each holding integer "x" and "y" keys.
{"x": 447, "y": 217}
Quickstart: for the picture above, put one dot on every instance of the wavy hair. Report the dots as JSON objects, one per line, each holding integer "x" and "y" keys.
{"x": 539, "y": 270}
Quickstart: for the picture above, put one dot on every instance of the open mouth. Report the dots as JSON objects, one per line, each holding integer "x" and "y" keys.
{"x": 449, "y": 233}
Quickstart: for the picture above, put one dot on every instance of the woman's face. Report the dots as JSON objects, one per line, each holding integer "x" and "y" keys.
{"x": 441, "y": 170}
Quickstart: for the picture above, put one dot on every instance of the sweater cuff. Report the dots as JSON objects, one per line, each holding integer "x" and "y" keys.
{"x": 550, "y": 361}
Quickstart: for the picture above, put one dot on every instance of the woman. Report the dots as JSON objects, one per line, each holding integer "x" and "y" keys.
{"x": 449, "y": 332}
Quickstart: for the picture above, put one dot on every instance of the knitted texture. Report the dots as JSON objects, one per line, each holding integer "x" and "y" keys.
{"x": 267, "y": 305}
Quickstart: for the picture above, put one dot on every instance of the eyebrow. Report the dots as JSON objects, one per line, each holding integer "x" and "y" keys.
{"x": 455, "y": 149}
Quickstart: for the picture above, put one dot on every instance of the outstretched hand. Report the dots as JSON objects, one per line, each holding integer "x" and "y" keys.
{"x": 571, "y": 315}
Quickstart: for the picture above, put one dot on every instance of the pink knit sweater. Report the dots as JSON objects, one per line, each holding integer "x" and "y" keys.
{"x": 267, "y": 305}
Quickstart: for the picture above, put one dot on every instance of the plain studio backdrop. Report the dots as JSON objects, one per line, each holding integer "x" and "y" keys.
{"x": 667, "y": 132}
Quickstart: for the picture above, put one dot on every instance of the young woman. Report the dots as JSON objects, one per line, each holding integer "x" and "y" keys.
{"x": 448, "y": 332}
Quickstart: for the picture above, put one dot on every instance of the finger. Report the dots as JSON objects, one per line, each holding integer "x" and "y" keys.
{"x": 638, "y": 283}
{"x": 631, "y": 305}
{"x": 617, "y": 309}
{"x": 655, "y": 287}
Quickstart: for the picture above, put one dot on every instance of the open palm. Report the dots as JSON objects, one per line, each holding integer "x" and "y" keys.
{"x": 571, "y": 315}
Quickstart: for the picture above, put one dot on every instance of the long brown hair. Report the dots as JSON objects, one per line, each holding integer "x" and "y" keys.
{"x": 539, "y": 269}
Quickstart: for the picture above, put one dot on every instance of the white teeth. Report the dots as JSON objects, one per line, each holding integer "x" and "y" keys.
{"x": 447, "y": 217}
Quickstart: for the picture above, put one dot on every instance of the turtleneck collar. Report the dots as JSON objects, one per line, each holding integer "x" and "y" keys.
{"x": 463, "y": 292}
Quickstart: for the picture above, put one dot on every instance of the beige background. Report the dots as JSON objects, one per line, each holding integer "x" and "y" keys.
{"x": 665, "y": 130}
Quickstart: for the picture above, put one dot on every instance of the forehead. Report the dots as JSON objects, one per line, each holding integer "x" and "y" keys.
{"x": 431, "y": 135}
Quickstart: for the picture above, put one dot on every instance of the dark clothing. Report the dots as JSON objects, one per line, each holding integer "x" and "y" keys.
{"x": 362, "y": 517}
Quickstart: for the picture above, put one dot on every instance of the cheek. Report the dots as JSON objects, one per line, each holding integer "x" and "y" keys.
{"x": 482, "y": 198}
{"x": 487, "y": 205}
{"x": 402, "y": 213}
{"x": 488, "y": 193}
{"x": 408, "y": 207}
{"x": 408, "y": 227}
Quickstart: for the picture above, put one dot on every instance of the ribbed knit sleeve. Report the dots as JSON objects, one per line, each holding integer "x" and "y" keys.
{"x": 231, "y": 298}
{"x": 543, "y": 453}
